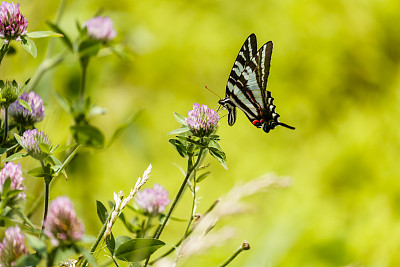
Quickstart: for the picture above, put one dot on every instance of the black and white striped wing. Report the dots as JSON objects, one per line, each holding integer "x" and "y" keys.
{"x": 249, "y": 94}
{"x": 246, "y": 53}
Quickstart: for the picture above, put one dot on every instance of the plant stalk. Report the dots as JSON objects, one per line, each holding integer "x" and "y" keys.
{"x": 84, "y": 64}
{"x": 46, "y": 201}
{"x": 244, "y": 246}
{"x": 99, "y": 237}
{"x": 190, "y": 169}
{"x": 5, "y": 124}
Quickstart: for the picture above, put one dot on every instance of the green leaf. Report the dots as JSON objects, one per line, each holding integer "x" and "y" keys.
{"x": 43, "y": 34}
{"x": 119, "y": 51}
{"x": 44, "y": 148}
{"x": 202, "y": 177}
{"x": 19, "y": 140}
{"x": 88, "y": 256}
{"x": 53, "y": 161}
{"x": 89, "y": 48}
{"x": 89, "y": 135}
{"x": 65, "y": 38}
{"x": 25, "y": 104}
{"x": 110, "y": 242}
{"x": 5, "y": 149}
{"x": 179, "y": 147}
{"x": 215, "y": 144}
{"x": 67, "y": 160}
{"x": 180, "y": 118}
{"x": 190, "y": 140}
{"x": 63, "y": 102}
{"x": 24, "y": 218}
{"x": 179, "y": 131}
{"x": 6, "y": 187}
{"x": 137, "y": 249}
{"x": 15, "y": 156}
{"x": 13, "y": 193}
{"x": 59, "y": 149}
{"x": 121, "y": 239}
{"x": 38, "y": 172}
{"x": 28, "y": 260}
{"x": 29, "y": 45}
{"x": 219, "y": 155}
{"x": 121, "y": 128}
{"x": 35, "y": 243}
{"x": 102, "y": 212}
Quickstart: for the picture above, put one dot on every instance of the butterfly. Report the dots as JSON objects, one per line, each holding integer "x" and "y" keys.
{"x": 246, "y": 87}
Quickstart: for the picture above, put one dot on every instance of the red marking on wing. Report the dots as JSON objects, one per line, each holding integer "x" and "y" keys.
{"x": 253, "y": 99}
{"x": 262, "y": 120}
{"x": 255, "y": 122}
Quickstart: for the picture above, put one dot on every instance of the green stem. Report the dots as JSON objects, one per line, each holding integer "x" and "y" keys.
{"x": 244, "y": 246}
{"x": 99, "y": 237}
{"x": 84, "y": 64}
{"x": 51, "y": 256}
{"x": 148, "y": 225}
{"x": 192, "y": 211}
{"x": 46, "y": 200}
{"x": 190, "y": 169}
{"x": 3, "y": 51}
{"x": 47, "y": 181}
{"x": 48, "y": 62}
{"x": 5, "y": 124}
{"x": 189, "y": 233}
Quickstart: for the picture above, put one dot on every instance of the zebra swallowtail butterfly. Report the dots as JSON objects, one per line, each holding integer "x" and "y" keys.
{"x": 246, "y": 87}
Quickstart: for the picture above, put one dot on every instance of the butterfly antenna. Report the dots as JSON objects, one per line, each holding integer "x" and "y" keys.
{"x": 213, "y": 92}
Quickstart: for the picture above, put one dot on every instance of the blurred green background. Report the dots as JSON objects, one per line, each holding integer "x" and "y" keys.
{"x": 335, "y": 76}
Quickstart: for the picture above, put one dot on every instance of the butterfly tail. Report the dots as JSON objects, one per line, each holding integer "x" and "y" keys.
{"x": 285, "y": 125}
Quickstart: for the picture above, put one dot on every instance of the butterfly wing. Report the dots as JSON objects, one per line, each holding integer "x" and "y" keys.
{"x": 250, "y": 94}
{"x": 247, "y": 51}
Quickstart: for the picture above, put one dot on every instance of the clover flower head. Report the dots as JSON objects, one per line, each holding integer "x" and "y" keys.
{"x": 21, "y": 115}
{"x": 100, "y": 28}
{"x": 13, "y": 172}
{"x": 31, "y": 140}
{"x": 12, "y": 247}
{"x": 202, "y": 121}
{"x": 12, "y": 23}
{"x": 10, "y": 91}
{"x": 153, "y": 200}
{"x": 61, "y": 224}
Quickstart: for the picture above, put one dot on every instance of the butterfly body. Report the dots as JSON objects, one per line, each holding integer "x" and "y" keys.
{"x": 246, "y": 87}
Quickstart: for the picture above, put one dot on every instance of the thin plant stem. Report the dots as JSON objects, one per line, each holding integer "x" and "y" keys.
{"x": 3, "y": 51}
{"x": 57, "y": 19}
{"x": 190, "y": 169}
{"x": 244, "y": 246}
{"x": 193, "y": 208}
{"x": 191, "y": 212}
{"x": 188, "y": 234}
{"x": 48, "y": 62}
{"x": 99, "y": 237}
{"x": 148, "y": 224}
{"x": 84, "y": 64}
{"x": 46, "y": 200}
{"x": 5, "y": 123}
{"x": 47, "y": 181}
{"x": 178, "y": 195}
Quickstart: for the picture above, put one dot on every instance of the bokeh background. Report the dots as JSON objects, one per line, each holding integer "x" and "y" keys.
{"x": 335, "y": 76}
